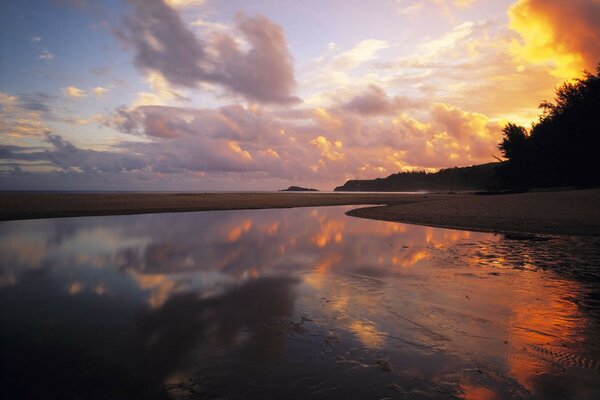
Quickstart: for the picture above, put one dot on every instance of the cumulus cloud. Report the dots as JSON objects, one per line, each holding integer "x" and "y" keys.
{"x": 333, "y": 142}
{"x": 564, "y": 34}
{"x": 328, "y": 149}
{"x": 323, "y": 147}
{"x": 164, "y": 44}
{"x": 233, "y": 138}
{"x": 73, "y": 91}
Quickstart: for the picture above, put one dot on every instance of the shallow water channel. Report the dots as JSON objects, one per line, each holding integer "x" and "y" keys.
{"x": 293, "y": 303}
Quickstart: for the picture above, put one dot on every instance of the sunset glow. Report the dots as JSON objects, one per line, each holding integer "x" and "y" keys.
{"x": 237, "y": 95}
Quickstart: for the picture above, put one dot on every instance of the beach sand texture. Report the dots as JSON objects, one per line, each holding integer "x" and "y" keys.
{"x": 573, "y": 212}
{"x": 23, "y": 205}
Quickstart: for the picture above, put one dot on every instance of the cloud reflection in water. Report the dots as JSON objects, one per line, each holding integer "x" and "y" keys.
{"x": 121, "y": 306}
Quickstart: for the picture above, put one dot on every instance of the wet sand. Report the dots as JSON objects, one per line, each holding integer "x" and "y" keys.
{"x": 575, "y": 212}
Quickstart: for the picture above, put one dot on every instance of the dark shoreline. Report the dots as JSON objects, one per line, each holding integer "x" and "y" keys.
{"x": 35, "y": 205}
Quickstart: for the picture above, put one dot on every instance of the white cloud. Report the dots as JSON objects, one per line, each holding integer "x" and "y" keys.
{"x": 185, "y": 3}
{"x": 162, "y": 92}
{"x": 335, "y": 70}
{"x": 46, "y": 55}
{"x": 365, "y": 50}
{"x": 99, "y": 90}
{"x": 73, "y": 91}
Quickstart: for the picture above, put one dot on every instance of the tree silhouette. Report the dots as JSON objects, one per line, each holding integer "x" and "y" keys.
{"x": 562, "y": 147}
{"x": 515, "y": 148}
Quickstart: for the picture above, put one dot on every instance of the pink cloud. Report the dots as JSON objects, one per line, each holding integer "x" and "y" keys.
{"x": 163, "y": 43}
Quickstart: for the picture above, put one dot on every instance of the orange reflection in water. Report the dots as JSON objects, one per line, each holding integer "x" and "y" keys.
{"x": 534, "y": 324}
{"x": 471, "y": 392}
{"x": 331, "y": 230}
{"x": 545, "y": 322}
{"x": 396, "y": 289}
{"x": 236, "y": 232}
{"x": 160, "y": 286}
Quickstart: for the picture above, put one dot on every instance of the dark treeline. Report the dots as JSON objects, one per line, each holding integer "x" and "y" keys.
{"x": 563, "y": 147}
{"x": 477, "y": 177}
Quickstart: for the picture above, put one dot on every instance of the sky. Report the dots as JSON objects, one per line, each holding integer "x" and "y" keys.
{"x": 204, "y": 95}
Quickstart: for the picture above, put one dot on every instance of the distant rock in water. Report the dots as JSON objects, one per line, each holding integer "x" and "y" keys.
{"x": 476, "y": 177}
{"x": 298, "y": 189}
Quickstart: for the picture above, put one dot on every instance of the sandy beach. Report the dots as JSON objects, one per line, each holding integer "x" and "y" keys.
{"x": 23, "y": 205}
{"x": 574, "y": 212}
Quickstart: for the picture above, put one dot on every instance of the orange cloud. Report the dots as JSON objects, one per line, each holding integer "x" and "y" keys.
{"x": 328, "y": 148}
{"x": 562, "y": 34}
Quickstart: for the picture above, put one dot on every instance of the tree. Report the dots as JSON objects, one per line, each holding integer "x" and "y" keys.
{"x": 514, "y": 144}
{"x": 562, "y": 147}
{"x": 515, "y": 148}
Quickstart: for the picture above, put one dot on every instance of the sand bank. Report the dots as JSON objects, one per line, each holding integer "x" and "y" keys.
{"x": 26, "y": 205}
{"x": 575, "y": 212}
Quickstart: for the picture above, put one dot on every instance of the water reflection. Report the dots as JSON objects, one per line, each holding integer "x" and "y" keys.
{"x": 292, "y": 303}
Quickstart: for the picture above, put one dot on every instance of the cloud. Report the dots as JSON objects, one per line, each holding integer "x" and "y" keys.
{"x": 70, "y": 158}
{"x": 233, "y": 138}
{"x": 564, "y": 34}
{"x": 265, "y": 72}
{"x": 185, "y": 3}
{"x": 336, "y": 70}
{"x": 36, "y": 39}
{"x": 7, "y": 102}
{"x": 37, "y": 102}
{"x": 23, "y": 115}
{"x": 100, "y": 70}
{"x": 409, "y": 10}
{"x": 162, "y": 92}
{"x": 472, "y": 67}
{"x": 412, "y": 8}
{"x": 46, "y": 55}
{"x": 73, "y": 91}
{"x": 164, "y": 44}
{"x": 250, "y": 147}
{"x": 329, "y": 150}
{"x": 375, "y": 101}
{"x": 99, "y": 90}
{"x": 458, "y": 3}
{"x": 365, "y": 50}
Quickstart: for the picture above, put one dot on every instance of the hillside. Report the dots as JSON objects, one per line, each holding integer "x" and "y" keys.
{"x": 476, "y": 177}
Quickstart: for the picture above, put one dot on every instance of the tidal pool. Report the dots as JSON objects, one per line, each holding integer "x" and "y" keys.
{"x": 294, "y": 303}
